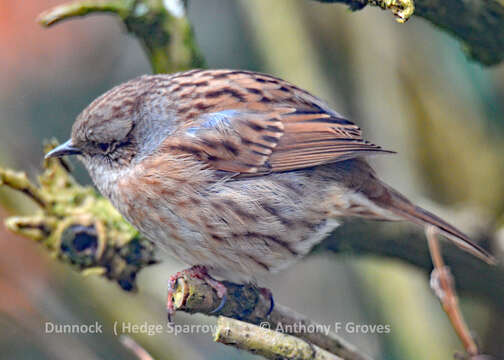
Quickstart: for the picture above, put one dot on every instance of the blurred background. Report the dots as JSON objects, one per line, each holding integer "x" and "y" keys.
{"x": 409, "y": 87}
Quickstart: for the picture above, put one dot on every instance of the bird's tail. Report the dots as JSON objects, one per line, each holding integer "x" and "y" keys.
{"x": 401, "y": 206}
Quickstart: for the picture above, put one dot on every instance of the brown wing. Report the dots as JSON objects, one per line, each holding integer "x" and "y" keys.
{"x": 253, "y": 123}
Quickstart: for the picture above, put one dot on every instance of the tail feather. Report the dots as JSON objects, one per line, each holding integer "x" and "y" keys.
{"x": 402, "y": 207}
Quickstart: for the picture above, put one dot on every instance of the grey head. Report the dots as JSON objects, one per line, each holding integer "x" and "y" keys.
{"x": 122, "y": 126}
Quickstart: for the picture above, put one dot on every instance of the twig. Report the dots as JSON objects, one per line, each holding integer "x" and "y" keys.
{"x": 442, "y": 284}
{"x": 135, "y": 348}
{"x": 82, "y": 8}
{"x": 245, "y": 302}
{"x": 19, "y": 181}
{"x": 268, "y": 343}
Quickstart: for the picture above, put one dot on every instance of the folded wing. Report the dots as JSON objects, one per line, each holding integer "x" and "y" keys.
{"x": 255, "y": 124}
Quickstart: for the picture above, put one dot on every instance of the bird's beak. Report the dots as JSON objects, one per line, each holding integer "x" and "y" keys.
{"x": 66, "y": 148}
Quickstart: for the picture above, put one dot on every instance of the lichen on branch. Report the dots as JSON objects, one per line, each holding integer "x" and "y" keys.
{"x": 402, "y": 9}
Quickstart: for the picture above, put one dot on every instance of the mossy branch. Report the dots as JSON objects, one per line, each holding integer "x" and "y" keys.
{"x": 78, "y": 226}
{"x": 479, "y": 24}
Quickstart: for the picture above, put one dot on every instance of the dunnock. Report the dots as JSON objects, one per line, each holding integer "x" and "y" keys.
{"x": 237, "y": 172}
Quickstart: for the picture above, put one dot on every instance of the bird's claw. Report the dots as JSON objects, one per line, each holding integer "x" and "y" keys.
{"x": 268, "y": 295}
{"x": 221, "y": 305}
{"x": 170, "y": 307}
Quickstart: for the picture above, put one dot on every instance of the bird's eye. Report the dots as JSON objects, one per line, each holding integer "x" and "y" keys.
{"x": 103, "y": 146}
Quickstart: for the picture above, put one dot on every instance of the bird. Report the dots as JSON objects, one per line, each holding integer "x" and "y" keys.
{"x": 236, "y": 173}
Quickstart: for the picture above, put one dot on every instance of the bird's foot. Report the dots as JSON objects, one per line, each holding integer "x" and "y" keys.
{"x": 199, "y": 272}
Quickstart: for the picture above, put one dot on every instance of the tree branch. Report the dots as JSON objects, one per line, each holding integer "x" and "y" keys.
{"x": 245, "y": 302}
{"x": 83, "y": 8}
{"x": 479, "y": 24}
{"x": 79, "y": 226}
